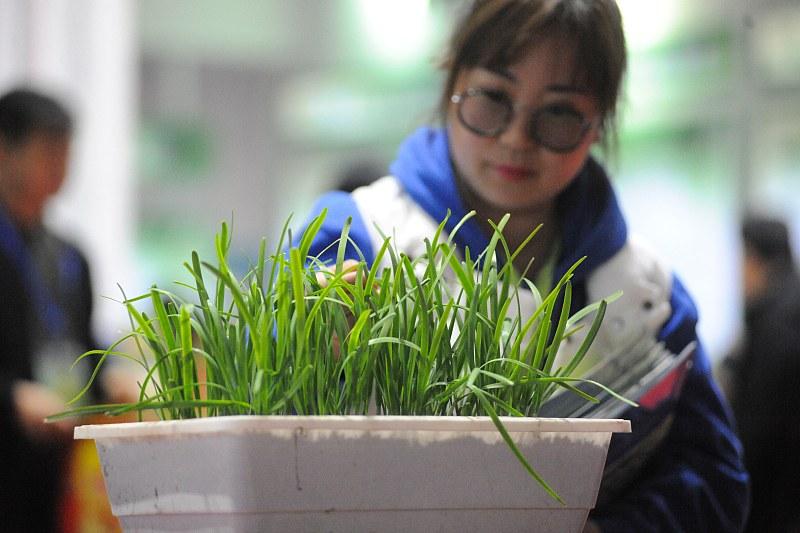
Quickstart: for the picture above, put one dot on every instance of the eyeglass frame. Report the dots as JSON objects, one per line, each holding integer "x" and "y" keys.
{"x": 459, "y": 98}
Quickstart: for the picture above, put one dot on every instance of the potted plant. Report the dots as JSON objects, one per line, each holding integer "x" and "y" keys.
{"x": 306, "y": 396}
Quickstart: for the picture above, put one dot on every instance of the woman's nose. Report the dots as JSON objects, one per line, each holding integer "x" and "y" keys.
{"x": 516, "y": 133}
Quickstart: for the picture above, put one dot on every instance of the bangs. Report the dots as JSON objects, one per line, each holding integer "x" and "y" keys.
{"x": 496, "y": 34}
{"x": 510, "y": 38}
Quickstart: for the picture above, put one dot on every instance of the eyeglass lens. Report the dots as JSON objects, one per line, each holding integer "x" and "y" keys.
{"x": 556, "y": 127}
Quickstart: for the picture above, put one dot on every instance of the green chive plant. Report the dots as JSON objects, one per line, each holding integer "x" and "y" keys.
{"x": 436, "y": 335}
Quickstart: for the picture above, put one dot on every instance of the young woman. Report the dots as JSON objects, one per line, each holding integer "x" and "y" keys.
{"x": 531, "y": 85}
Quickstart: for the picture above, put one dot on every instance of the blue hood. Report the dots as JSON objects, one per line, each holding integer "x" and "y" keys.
{"x": 591, "y": 221}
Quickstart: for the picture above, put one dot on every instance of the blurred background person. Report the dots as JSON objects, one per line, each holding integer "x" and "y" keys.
{"x": 763, "y": 373}
{"x": 45, "y": 311}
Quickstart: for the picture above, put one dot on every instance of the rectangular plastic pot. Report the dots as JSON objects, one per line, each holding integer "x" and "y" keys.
{"x": 350, "y": 473}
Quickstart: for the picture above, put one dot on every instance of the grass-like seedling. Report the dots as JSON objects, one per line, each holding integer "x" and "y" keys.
{"x": 435, "y": 335}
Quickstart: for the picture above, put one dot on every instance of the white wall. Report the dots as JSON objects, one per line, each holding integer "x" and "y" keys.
{"x": 85, "y": 53}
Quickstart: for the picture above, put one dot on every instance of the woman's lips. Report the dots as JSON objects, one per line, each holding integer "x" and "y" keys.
{"x": 512, "y": 173}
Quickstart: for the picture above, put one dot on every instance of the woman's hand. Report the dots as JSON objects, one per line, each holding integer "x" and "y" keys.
{"x": 350, "y": 274}
{"x": 349, "y": 267}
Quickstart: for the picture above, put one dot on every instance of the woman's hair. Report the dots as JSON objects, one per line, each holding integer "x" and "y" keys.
{"x": 497, "y": 33}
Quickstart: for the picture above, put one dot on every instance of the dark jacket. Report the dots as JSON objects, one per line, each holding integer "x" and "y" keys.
{"x": 765, "y": 398}
{"x": 31, "y": 473}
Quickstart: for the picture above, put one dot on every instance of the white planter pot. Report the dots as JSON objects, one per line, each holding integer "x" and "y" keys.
{"x": 350, "y": 473}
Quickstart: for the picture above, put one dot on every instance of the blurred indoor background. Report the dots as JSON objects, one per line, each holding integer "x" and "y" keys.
{"x": 195, "y": 111}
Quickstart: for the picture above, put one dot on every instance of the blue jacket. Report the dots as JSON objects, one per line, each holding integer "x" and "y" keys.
{"x": 693, "y": 479}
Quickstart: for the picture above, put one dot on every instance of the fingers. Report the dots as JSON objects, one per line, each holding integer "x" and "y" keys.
{"x": 349, "y": 269}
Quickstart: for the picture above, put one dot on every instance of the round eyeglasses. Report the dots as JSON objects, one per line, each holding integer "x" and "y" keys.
{"x": 557, "y": 127}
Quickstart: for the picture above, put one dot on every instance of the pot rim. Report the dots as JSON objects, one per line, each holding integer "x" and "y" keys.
{"x": 241, "y": 424}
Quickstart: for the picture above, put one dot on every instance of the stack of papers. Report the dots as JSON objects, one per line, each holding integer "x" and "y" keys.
{"x": 646, "y": 373}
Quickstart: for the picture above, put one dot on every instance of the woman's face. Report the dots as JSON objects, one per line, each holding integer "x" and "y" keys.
{"x": 511, "y": 171}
